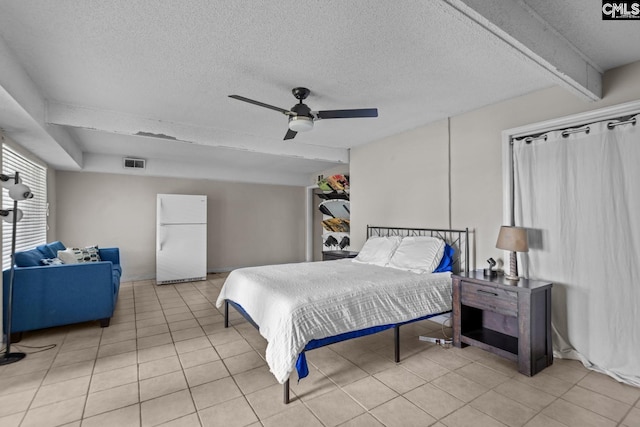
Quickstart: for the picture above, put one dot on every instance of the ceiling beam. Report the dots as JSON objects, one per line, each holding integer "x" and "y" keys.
{"x": 524, "y": 30}
{"x": 179, "y": 168}
{"x": 23, "y": 110}
{"x": 126, "y": 124}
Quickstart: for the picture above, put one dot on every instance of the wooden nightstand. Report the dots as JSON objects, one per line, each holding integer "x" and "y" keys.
{"x": 510, "y": 319}
{"x": 331, "y": 255}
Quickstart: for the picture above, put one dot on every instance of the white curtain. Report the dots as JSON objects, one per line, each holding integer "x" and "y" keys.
{"x": 580, "y": 197}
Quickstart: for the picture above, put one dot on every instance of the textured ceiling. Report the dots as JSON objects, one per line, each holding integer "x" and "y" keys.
{"x": 608, "y": 43}
{"x": 89, "y": 75}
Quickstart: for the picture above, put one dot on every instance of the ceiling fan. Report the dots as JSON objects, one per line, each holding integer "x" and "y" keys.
{"x": 301, "y": 117}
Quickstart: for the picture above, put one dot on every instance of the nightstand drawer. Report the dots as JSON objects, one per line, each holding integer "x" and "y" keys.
{"x": 489, "y": 298}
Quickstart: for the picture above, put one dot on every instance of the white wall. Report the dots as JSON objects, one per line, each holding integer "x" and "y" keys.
{"x": 402, "y": 180}
{"x": 248, "y": 224}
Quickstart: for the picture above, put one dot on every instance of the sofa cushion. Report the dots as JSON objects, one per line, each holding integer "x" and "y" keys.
{"x": 30, "y": 258}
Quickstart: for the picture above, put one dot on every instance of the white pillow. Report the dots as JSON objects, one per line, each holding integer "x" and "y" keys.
{"x": 378, "y": 250}
{"x": 419, "y": 254}
{"x": 68, "y": 256}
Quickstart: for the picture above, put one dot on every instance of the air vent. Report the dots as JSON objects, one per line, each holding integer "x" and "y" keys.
{"x": 130, "y": 163}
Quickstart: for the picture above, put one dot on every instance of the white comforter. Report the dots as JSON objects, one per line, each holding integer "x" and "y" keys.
{"x": 295, "y": 303}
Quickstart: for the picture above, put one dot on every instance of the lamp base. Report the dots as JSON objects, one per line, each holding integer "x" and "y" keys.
{"x": 513, "y": 268}
{"x": 9, "y": 358}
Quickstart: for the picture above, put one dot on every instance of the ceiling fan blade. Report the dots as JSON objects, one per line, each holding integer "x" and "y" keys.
{"x": 262, "y": 104}
{"x": 347, "y": 114}
{"x": 290, "y": 134}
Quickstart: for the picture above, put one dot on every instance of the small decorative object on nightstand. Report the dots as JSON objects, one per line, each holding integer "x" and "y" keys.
{"x": 513, "y": 239}
{"x": 507, "y": 319}
{"x": 490, "y": 272}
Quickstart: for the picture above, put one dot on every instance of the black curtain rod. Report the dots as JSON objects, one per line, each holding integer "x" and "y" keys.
{"x": 613, "y": 122}
{"x": 580, "y": 128}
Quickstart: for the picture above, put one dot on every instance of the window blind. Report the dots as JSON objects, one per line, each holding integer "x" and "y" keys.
{"x": 32, "y": 229}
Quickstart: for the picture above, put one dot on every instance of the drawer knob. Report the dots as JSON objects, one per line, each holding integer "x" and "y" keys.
{"x": 487, "y": 292}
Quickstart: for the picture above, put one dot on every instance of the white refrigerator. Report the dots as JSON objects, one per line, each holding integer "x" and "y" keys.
{"x": 181, "y": 238}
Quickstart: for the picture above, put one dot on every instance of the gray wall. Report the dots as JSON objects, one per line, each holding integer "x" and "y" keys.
{"x": 403, "y": 180}
{"x": 248, "y": 224}
{"x": 400, "y": 181}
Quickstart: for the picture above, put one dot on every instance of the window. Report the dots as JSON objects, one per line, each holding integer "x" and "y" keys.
{"x": 32, "y": 229}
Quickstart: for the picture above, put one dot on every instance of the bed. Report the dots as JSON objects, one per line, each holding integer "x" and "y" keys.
{"x": 301, "y": 306}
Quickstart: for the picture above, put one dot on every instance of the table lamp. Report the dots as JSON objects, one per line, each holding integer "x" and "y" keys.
{"x": 513, "y": 239}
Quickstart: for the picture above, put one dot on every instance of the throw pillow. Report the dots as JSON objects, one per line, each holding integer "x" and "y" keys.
{"x": 77, "y": 255}
{"x": 91, "y": 254}
{"x": 56, "y": 246}
{"x": 68, "y": 256}
{"x": 51, "y": 261}
{"x": 46, "y": 251}
{"x": 30, "y": 258}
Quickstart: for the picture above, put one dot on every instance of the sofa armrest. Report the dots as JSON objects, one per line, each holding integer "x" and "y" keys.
{"x": 110, "y": 254}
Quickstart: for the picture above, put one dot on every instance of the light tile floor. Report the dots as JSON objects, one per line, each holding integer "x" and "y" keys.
{"x": 167, "y": 360}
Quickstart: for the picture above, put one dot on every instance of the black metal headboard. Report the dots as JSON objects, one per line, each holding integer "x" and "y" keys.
{"x": 457, "y": 239}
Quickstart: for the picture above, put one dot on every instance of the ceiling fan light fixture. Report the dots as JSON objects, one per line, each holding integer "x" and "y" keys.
{"x": 301, "y": 117}
{"x": 300, "y": 123}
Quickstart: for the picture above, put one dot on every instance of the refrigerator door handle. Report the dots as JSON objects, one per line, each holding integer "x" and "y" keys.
{"x": 159, "y": 239}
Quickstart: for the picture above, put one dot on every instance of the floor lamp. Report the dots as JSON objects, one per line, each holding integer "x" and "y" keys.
{"x": 17, "y": 191}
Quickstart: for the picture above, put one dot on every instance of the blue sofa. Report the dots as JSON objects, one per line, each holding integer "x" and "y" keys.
{"x": 53, "y": 295}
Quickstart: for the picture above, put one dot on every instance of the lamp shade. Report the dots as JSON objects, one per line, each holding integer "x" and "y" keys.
{"x": 9, "y": 180}
{"x": 513, "y": 239}
{"x": 8, "y": 215}
{"x": 20, "y": 192}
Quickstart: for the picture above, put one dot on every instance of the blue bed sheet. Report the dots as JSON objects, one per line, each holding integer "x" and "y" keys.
{"x": 301, "y": 363}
